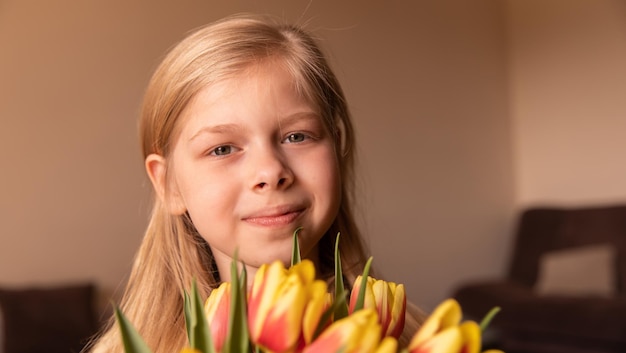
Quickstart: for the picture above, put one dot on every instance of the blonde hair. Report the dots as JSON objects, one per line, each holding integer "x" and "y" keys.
{"x": 172, "y": 252}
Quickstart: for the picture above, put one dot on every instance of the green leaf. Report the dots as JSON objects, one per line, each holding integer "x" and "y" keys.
{"x": 487, "y": 319}
{"x": 295, "y": 255}
{"x": 360, "y": 301}
{"x": 200, "y": 334}
{"x": 238, "y": 338}
{"x": 341, "y": 310}
{"x": 133, "y": 343}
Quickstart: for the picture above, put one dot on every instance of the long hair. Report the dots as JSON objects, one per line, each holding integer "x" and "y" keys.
{"x": 172, "y": 252}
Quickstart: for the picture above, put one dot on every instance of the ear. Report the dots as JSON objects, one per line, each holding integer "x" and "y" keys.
{"x": 156, "y": 166}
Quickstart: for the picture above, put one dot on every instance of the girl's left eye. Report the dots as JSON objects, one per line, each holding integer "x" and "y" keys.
{"x": 295, "y": 137}
{"x": 222, "y": 150}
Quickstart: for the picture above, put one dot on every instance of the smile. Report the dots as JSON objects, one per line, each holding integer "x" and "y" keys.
{"x": 275, "y": 219}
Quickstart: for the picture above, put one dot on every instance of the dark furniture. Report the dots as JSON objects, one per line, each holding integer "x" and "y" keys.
{"x": 57, "y": 319}
{"x": 532, "y": 322}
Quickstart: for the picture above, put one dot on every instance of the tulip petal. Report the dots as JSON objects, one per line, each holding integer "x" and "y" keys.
{"x": 262, "y": 297}
{"x": 448, "y": 340}
{"x": 388, "y": 345}
{"x": 382, "y": 299}
{"x": 318, "y": 303}
{"x": 359, "y": 332}
{"x": 398, "y": 311}
{"x": 470, "y": 332}
{"x": 283, "y": 323}
{"x": 217, "y": 310}
{"x": 369, "y": 299}
{"x": 447, "y": 314}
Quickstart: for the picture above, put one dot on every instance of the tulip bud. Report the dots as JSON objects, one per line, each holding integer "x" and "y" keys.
{"x": 285, "y": 306}
{"x": 388, "y": 299}
{"x": 217, "y": 310}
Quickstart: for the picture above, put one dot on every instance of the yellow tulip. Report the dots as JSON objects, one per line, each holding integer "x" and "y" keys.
{"x": 445, "y": 315}
{"x": 356, "y": 333}
{"x": 285, "y": 306}
{"x": 388, "y": 299}
{"x": 442, "y": 332}
{"x": 217, "y": 310}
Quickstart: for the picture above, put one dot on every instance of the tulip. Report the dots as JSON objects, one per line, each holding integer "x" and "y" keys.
{"x": 319, "y": 301}
{"x": 189, "y": 350}
{"x": 442, "y": 332}
{"x": 217, "y": 310}
{"x": 285, "y": 306}
{"x": 388, "y": 345}
{"x": 445, "y": 315}
{"x": 388, "y": 299}
{"x": 356, "y": 333}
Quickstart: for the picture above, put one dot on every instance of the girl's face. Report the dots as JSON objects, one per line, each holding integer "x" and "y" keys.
{"x": 252, "y": 163}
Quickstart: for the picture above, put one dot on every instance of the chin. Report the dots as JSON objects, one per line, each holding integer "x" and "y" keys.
{"x": 268, "y": 258}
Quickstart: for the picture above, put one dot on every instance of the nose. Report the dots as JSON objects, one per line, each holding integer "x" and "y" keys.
{"x": 270, "y": 170}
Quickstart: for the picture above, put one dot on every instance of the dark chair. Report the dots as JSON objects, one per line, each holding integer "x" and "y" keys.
{"x": 535, "y": 322}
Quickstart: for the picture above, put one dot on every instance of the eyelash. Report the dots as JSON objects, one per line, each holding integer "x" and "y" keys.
{"x": 213, "y": 152}
{"x": 303, "y": 135}
{"x": 231, "y": 149}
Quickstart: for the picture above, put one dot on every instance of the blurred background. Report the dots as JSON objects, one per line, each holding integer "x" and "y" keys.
{"x": 467, "y": 112}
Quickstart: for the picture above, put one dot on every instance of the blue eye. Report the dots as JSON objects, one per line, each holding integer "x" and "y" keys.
{"x": 222, "y": 150}
{"x": 296, "y": 137}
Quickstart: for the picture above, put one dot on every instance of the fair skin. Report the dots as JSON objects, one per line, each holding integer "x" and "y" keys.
{"x": 253, "y": 161}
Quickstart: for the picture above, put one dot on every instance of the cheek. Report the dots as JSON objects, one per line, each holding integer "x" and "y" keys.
{"x": 206, "y": 195}
{"x": 324, "y": 174}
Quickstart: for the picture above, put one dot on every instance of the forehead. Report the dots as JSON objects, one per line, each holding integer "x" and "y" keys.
{"x": 262, "y": 89}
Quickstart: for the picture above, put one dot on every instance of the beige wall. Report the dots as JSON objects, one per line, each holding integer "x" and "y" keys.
{"x": 428, "y": 85}
{"x": 568, "y": 99}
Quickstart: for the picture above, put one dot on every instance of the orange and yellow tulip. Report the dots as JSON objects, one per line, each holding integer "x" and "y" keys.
{"x": 388, "y": 299}
{"x": 285, "y": 306}
{"x": 356, "y": 333}
{"x": 217, "y": 311}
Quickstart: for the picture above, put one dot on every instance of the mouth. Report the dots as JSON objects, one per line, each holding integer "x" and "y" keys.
{"x": 275, "y": 217}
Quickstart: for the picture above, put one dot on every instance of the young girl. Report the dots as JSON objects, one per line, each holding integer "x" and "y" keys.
{"x": 246, "y": 136}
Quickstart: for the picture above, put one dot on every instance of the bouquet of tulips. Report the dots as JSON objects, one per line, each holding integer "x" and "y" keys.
{"x": 288, "y": 310}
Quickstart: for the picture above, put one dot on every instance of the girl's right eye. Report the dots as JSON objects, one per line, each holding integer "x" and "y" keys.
{"x": 222, "y": 150}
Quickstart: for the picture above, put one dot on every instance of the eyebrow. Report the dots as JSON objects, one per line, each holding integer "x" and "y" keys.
{"x": 299, "y": 116}
{"x": 230, "y": 128}
{"x": 216, "y": 129}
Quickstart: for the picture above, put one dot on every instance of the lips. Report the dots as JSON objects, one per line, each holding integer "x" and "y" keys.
{"x": 276, "y": 216}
